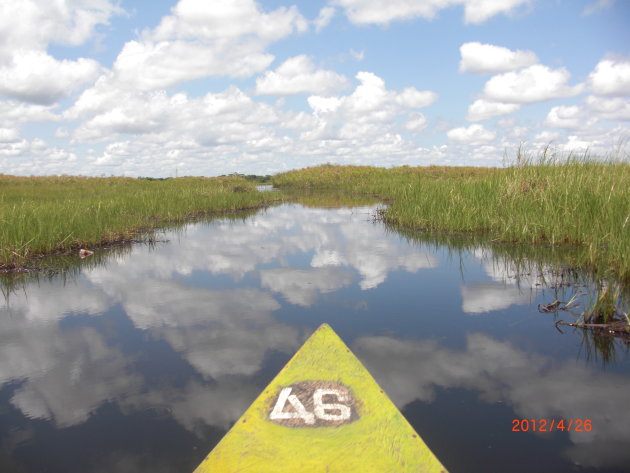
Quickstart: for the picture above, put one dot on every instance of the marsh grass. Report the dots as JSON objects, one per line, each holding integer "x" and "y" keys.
{"x": 608, "y": 305}
{"x": 45, "y": 215}
{"x": 605, "y": 324}
{"x": 576, "y": 203}
{"x": 597, "y": 309}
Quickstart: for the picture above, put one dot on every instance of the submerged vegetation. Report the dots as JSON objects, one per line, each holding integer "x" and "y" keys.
{"x": 580, "y": 204}
{"x": 45, "y": 215}
{"x": 598, "y": 308}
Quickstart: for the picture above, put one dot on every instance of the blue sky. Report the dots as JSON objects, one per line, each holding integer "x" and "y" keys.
{"x": 208, "y": 87}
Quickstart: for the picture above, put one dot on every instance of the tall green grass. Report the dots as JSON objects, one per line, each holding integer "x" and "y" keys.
{"x": 571, "y": 202}
{"x": 42, "y": 215}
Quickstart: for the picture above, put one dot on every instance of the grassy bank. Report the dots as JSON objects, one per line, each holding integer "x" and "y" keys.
{"x": 43, "y": 215}
{"x": 577, "y": 203}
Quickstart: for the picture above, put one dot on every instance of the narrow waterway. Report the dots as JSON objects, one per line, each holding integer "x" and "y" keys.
{"x": 143, "y": 361}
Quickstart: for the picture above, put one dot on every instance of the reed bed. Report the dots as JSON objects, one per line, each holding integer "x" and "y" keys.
{"x": 44, "y": 215}
{"x": 556, "y": 202}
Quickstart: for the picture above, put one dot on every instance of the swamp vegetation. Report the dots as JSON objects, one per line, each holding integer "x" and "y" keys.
{"x": 577, "y": 205}
{"x": 580, "y": 207}
{"x": 474, "y": 296}
{"x": 48, "y": 215}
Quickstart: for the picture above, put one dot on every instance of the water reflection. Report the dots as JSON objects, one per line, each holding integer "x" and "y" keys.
{"x": 509, "y": 285}
{"x": 64, "y": 375}
{"x": 478, "y": 298}
{"x": 302, "y": 287}
{"x": 534, "y": 386}
{"x": 172, "y": 342}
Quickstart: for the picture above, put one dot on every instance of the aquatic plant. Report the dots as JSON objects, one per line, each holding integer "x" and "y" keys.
{"x": 44, "y": 215}
{"x": 555, "y": 201}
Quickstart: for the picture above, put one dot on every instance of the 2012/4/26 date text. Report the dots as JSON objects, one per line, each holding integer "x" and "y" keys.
{"x": 551, "y": 425}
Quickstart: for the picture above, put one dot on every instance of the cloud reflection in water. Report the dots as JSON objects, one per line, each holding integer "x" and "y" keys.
{"x": 534, "y": 386}
{"x": 211, "y": 297}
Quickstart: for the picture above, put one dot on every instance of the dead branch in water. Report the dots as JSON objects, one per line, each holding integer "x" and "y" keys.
{"x": 614, "y": 328}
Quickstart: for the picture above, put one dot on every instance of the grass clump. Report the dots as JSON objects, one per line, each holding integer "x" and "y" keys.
{"x": 573, "y": 202}
{"x": 43, "y": 215}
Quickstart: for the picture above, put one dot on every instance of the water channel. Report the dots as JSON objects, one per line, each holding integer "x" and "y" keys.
{"x": 144, "y": 357}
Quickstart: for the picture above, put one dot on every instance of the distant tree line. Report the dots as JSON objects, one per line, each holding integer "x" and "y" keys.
{"x": 248, "y": 177}
{"x": 253, "y": 177}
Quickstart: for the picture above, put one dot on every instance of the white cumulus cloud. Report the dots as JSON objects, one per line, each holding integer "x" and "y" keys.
{"x": 9, "y": 135}
{"x": 27, "y": 72}
{"x": 144, "y": 130}
{"x": 535, "y": 83}
{"x": 374, "y": 12}
{"x": 478, "y": 11}
{"x": 326, "y": 14}
{"x": 483, "y": 109}
{"x": 564, "y": 117}
{"x": 322, "y": 105}
{"x": 298, "y": 75}
{"x": 611, "y": 77}
{"x": 472, "y": 135}
{"x": 545, "y": 137}
{"x": 13, "y": 112}
{"x": 367, "y": 113}
{"x": 202, "y": 39}
{"x": 36, "y": 77}
{"x": 482, "y": 58}
{"x": 148, "y": 65}
{"x": 609, "y": 108}
{"x": 33, "y": 24}
{"x": 413, "y": 98}
{"x": 229, "y": 116}
{"x": 416, "y": 123}
{"x": 227, "y": 19}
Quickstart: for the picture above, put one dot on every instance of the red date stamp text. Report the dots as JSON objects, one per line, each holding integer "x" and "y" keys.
{"x": 552, "y": 425}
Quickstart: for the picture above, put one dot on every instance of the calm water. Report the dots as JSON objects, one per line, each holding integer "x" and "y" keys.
{"x": 142, "y": 363}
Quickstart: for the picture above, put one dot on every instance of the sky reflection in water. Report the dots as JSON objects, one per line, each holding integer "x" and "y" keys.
{"x": 145, "y": 361}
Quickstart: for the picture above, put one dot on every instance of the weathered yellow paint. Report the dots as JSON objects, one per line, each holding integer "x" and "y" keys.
{"x": 378, "y": 440}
